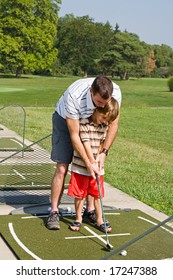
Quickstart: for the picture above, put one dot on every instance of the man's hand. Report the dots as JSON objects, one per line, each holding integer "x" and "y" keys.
{"x": 101, "y": 161}
{"x": 93, "y": 169}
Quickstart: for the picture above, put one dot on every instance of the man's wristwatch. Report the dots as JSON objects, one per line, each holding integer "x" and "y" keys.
{"x": 105, "y": 151}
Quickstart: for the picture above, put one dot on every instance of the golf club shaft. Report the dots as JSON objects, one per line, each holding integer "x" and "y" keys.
{"x": 98, "y": 185}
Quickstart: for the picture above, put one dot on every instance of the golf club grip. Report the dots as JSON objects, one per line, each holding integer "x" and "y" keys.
{"x": 98, "y": 184}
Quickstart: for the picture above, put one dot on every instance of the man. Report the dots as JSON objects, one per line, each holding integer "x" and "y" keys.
{"x": 78, "y": 101}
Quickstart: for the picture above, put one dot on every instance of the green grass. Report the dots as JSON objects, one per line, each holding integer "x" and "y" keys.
{"x": 146, "y": 93}
{"x": 34, "y": 91}
{"x": 141, "y": 158}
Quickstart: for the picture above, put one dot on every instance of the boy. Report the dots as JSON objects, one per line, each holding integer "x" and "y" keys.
{"x": 92, "y": 133}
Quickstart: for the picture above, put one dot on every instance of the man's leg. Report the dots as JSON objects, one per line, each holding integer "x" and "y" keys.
{"x": 58, "y": 185}
{"x": 56, "y": 193}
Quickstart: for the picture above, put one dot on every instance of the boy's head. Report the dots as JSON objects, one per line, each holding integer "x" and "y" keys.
{"x": 107, "y": 114}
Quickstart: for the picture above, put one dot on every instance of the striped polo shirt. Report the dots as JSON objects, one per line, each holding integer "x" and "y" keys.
{"x": 95, "y": 134}
{"x": 76, "y": 102}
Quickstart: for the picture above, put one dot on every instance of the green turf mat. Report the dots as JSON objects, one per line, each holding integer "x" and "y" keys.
{"x": 67, "y": 245}
{"x": 12, "y": 144}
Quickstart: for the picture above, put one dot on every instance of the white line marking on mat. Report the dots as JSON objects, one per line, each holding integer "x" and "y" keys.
{"x": 98, "y": 236}
{"x": 10, "y": 225}
{"x": 20, "y": 144}
{"x": 112, "y": 213}
{"x": 20, "y": 185}
{"x": 92, "y": 236}
{"x": 29, "y": 174}
{"x": 19, "y": 174}
{"x": 34, "y": 217}
{"x": 171, "y": 232}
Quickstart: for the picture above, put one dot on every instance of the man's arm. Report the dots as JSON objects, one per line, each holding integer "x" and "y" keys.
{"x": 111, "y": 133}
{"x": 73, "y": 126}
{"x": 110, "y": 137}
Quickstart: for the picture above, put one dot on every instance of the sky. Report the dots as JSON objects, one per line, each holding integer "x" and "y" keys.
{"x": 151, "y": 20}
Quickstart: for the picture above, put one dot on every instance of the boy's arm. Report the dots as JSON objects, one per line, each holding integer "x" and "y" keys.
{"x": 73, "y": 126}
{"x": 88, "y": 151}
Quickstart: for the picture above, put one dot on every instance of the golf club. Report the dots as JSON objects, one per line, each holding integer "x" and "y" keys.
{"x": 108, "y": 245}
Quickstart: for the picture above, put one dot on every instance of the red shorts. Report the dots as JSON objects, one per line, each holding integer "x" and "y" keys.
{"x": 80, "y": 186}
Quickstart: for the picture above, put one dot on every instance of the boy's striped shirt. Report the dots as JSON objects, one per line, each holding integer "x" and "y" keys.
{"x": 95, "y": 135}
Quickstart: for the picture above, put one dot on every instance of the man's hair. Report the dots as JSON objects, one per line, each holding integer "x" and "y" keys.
{"x": 103, "y": 86}
{"x": 112, "y": 108}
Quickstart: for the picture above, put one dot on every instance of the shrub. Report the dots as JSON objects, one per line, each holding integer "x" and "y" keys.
{"x": 170, "y": 84}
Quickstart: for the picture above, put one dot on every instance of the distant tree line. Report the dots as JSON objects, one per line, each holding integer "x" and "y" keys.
{"x": 33, "y": 40}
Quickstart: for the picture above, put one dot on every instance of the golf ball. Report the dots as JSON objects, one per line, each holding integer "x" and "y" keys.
{"x": 124, "y": 253}
{"x": 49, "y": 209}
{"x": 68, "y": 209}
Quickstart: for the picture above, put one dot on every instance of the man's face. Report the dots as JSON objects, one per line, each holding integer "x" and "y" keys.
{"x": 98, "y": 100}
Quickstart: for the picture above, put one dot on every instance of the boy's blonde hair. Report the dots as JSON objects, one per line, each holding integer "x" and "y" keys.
{"x": 112, "y": 108}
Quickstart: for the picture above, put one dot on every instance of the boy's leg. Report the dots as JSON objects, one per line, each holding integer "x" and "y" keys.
{"x": 93, "y": 190}
{"x": 98, "y": 209}
{"x": 75, "y": 226}
{"x": 89, "y": 215}
{"x": 101, "y": 224}
{"x": 78, "y": 207}
{"x": 77, "y": 188}
{"x": 90, "y": 203}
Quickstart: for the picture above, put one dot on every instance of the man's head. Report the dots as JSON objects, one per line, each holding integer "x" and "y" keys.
{"x": 101, "y": 91}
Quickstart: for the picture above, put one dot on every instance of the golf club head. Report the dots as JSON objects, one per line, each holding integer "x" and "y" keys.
{"x": 109, "y": 247}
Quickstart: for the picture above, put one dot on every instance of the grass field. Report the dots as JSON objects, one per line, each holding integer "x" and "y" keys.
{"x": 141, "y": 158}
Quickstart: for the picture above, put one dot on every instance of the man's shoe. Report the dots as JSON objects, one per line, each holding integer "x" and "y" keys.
{"x": 53, "y": 221}
{"x": 89, "y": 217}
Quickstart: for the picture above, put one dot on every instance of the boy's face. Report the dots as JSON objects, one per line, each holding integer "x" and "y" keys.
{"x": 100, "y": 118}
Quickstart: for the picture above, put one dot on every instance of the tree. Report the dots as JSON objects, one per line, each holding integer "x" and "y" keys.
{"x": 81, "y": 42}
{"x": 125, "y": 55}
{"x": 163, "y": 55}
{"x": 151, "y": 62}
{"x": 117, "y": 28}
{"x": 27, "y": 34}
